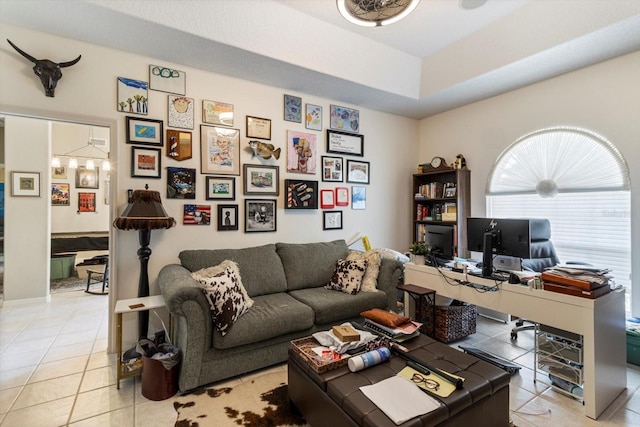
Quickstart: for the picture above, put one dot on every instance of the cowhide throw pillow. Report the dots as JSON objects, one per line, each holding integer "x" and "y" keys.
{"x": 228, "y": 299}
{"x": 370, "y": 279}
{"x": 347, "y": 277}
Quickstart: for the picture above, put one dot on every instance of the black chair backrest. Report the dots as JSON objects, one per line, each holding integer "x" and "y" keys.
{"x": 543, "y": 253}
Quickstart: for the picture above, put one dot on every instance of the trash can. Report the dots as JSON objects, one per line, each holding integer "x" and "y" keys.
{"x": 160, "y": 368}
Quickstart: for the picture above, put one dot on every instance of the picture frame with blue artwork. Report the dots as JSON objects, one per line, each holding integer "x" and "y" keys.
{"x": 358, "y": 198}
{"x": 220, "y": 188}
{"x": 293, "y": 108}
{"x": 133, "y": 96}
{"x": 344, "y": 119}
{"x": 141, "y": 131}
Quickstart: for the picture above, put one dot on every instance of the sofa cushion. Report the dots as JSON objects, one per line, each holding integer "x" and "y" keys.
{"x": 370, "y": 278}
{"x": 330, "y": 306}
{"x": 310, "y": 265}
{"x": 260, "y": 266}
{"x": 347, "y": 277}
{"x": 271, "y": 316}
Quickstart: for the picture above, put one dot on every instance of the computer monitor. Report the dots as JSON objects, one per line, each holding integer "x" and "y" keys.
{"x": 440, "y": 240}
{"x": 498, "y": 236}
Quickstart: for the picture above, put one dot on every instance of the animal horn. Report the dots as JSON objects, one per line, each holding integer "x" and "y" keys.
{"x": 70, "y": 63}
{"x": 25, "y": 54}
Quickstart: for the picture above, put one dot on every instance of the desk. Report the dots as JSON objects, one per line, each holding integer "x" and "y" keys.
{"x": 600, "y": 321}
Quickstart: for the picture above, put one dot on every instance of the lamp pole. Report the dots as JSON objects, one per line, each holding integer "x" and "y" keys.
{"x": 144, "y": 236}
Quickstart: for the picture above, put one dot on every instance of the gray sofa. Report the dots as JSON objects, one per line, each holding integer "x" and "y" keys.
{"x": 286, "y": 282}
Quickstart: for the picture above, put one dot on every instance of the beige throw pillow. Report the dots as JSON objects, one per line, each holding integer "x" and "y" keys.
{"x": 370, "y": 279}
{"x": 347, "y": 276}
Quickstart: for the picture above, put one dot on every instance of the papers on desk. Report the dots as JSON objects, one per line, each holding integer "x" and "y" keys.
{"x": 400, "y": 399}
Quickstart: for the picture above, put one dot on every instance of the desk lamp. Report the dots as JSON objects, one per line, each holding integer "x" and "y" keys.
{"x": 144, "y": 213}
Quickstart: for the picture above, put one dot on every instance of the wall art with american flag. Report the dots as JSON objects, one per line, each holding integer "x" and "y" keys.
{"x": 197, "y": 215}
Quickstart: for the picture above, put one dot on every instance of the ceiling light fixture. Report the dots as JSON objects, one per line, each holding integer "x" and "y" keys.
{"x": 91, "y": 160}
{"x": 375, "y": 13}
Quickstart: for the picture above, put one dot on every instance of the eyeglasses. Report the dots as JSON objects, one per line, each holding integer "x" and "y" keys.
{"x": 431, "y": 384}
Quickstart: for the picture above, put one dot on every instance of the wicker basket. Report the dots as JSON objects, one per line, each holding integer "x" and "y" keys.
{"x": 303, "y": 348}
{"x": 452, "y": 322}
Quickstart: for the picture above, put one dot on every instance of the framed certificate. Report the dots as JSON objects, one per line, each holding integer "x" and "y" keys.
{"x": 258, "y": 128}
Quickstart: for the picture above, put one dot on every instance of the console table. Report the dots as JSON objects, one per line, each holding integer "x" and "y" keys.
{"x": 600, "y": 321}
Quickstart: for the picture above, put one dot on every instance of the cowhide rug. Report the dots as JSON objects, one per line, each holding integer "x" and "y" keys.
{"x": 261, "y": 401}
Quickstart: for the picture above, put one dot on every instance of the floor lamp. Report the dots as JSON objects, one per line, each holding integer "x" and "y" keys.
{"x": 144, "y": 213}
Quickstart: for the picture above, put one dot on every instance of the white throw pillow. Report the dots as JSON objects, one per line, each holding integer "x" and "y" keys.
{"x": 370, "y": 279}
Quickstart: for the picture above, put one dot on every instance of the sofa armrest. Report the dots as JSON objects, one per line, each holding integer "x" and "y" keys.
{"x": 390, "y": 274}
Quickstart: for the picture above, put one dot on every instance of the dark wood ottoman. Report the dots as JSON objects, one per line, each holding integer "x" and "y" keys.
{"x": 334, "y": 398}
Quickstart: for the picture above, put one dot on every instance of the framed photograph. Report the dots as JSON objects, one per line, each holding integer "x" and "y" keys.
{"x": 327, "y": 199}
{"x": 165, "y": 79}
{"x": 60, "y": 194}
{"x": 181, "y": 183}
{"x": 342, "y": 196}
{"x": 180, "y": 114}
{"x": 261, "y": 180}
{"x": 145, "y": 162}
{"x": 217, "y": 113}
{"x": 196, "y": 215}
{"x": 450, "y": 192}
{"x": 301, "y": 194}
{"x": 332, "y": 168}
{"x": 293, "y": 108}
{"x": 260, "y": 215}
{"x": 313, "y": 117}
{"x": 144, "y": 131}
{"x": 59, "y": 172}
{"x": 133, "y": 96}
{"x": 357, "y": 171}
{"x": 358, "y": 198}
{"x": 179, "y": 144}
{"x": 345, "y": 143}
{"x": 87, "y": 178}
{"x": 86, "y": 202}
{"x": 301, "y": 152}
{"x": 332, "y": 220}
{"x": 345, "y": 119}
{"x": 227, "y": 217}
{"x": 25, "y": 184}
{"x": 221, "y": 188}
{"x": 219, "y": 150}
{"x": 258, "y": 128}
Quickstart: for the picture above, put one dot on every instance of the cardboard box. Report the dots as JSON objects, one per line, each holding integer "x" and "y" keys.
{"x": 346, "y": 333}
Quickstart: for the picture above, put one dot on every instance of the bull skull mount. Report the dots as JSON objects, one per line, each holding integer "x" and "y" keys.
{"x": 48, "y": 71}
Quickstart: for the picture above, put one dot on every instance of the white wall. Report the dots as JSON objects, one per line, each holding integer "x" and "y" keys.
{"x": 604, "y": 98}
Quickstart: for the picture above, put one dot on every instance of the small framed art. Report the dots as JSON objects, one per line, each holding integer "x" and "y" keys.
{"x": 180, "y": 114}
{"x": 165, "y": 79}
{"x": 327, "y": 199}
{"x": 345, "y": 119}
{"x": 227, "y": 217}
{"x": 332, "y": 220}
{"x": 87, "y": 178}
{"x": 221, "y": 188}
{"x": 293, "y": 108}
{"x": 219, "y": 150}
{"x": 144, "y": 131}
{"x": 59, "y": 172}
{"x": 217, "y": 113}
{"x": 345, "y": 143}
{"x": 342, "y": 196}
{"x": 179, "y": 144}
{"x": 332, "y": 168}
{"x": 60, "y": 194}
{"x": 357, "y": 171}
{"x": 258, "y": 128}
{"x": 86, "y": 202}
{"x": 181, "y": 183}
{"x": 133, "y": 96}
{"x": 313, "y": 117}
{"x": 358, "y": 197}
{"x": 145, "y": 162}
{"x": 261, "y": 180}
{"x": 196, "y": 215}
{"x": 450, "y": 192}
{"x": 260, "y": 215}
{"x": 301, "y": 194}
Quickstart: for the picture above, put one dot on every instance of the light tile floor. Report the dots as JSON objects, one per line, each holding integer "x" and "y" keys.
{"x": 54, "y": 371}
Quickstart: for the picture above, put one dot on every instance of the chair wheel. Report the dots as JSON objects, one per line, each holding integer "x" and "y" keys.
{"x": 514, "y": 335}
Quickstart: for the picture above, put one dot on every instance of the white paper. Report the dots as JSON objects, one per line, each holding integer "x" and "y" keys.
{"x": 400, "y": 399}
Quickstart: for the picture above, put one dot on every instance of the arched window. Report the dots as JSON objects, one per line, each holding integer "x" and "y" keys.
{"x": 580, "y": 182}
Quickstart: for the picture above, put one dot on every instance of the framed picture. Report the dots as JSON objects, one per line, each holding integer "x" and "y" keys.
{"x": 59, "y": 172}
{"x": 313, "y": 117}
{"x": 217, "y": 113}
{"x": 144, "y": 131}
{"x": 219, "y": 150}
{"x": 25, "y": 184}
{"x": 133, "y": 96}
{"x": 180, "y": 114}
{"x": 357, "y": 171}
{"x": 261, "y": 180}
{"x": 181, "y": 183}
{"x": 179, "y": 144}
{"x": 221, "y": 188}
{"x": 301, "y": 194}
{"x": 87, "y": 178}
{"x": 332, "y": 168}
{"x": 227, "y": 217}
{"x": 258, "y": 128}
{"x": 293, "y": 108}
{"x": 345, "y": 143}
{"x": 165, "y": 79}
{"x": 196, "y": 215}
{"x": 86, "y": 202}
{"x": 145, "y": 162}
{"x": 327, "y": 199}
{"x": 345, "y": 119}
{"x": 260, "y": 215}
{"x": 301, "y": 152}
{"x": 60, "y": 194}
{"x": 342, "y": 196}
{"x": 358, "y": 198}
{"x": 450, "y": 192}
{"x": 332, "y": 220}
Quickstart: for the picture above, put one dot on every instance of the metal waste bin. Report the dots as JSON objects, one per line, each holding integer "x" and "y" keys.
{"x": 160, "y": 369}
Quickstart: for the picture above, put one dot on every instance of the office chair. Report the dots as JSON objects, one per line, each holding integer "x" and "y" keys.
{"x": 102, "y": 276}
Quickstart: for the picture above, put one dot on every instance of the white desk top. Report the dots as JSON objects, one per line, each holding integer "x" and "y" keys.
{"x": 131, "y": 305}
